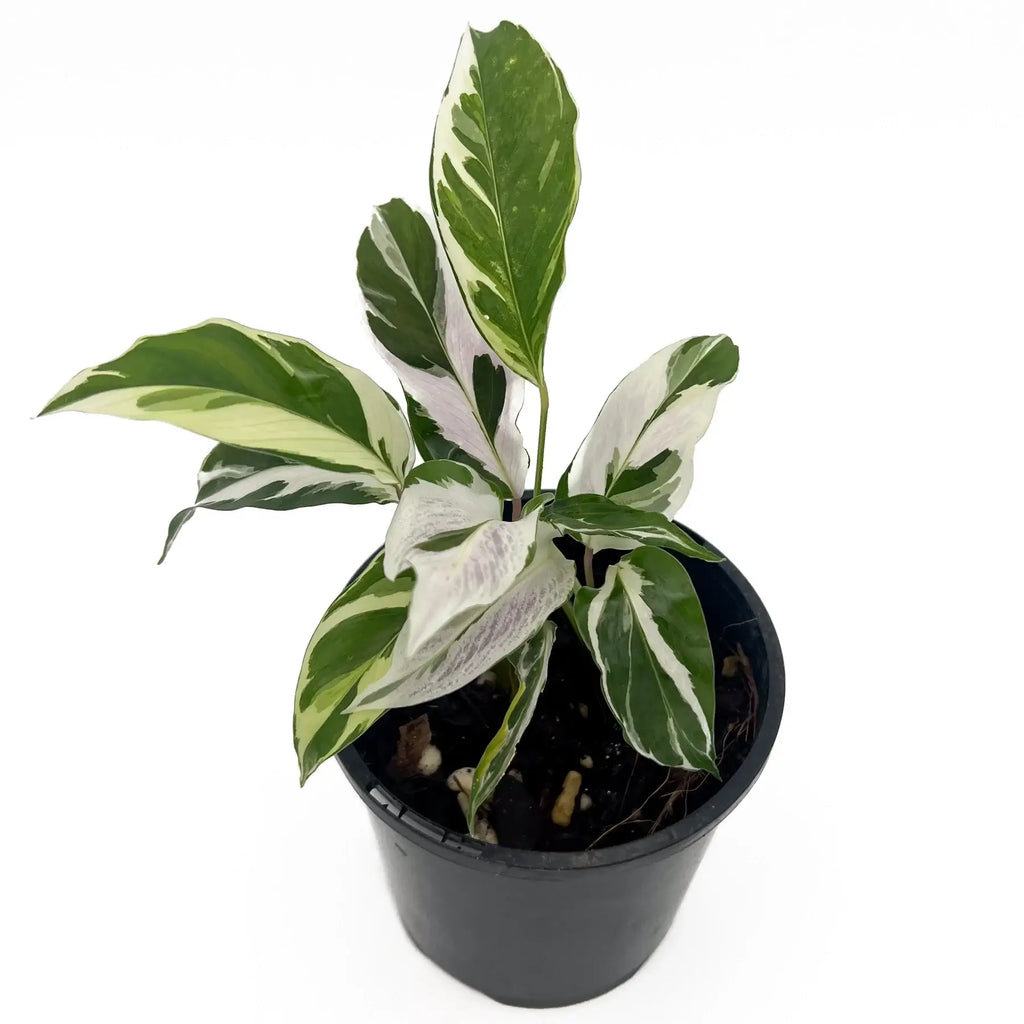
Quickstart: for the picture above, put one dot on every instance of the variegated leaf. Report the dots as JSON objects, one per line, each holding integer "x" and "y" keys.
{"x": 462, "y": 401}
{"x": 639, "y": 451}
{"x": 538, "y": 501}
{"x": 440, "y": 497}
{"x": 232, "y": 478}
{"x": 465, "y": 570}
{"x": 602, "y": 523}
{"x": 530, "y": 665}
{"x": 253, "y": 390}
{"x": 448, "y": 529}
{"x": 646, "y": 630}
{"x": 464, "y": 648}
{"x": 505, "y": 179}
{"x": 350, "y": 650}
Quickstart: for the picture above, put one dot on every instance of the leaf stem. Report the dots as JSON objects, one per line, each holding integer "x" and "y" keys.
{"x": 588, "y": 565}
{"x": 541, "y": 436}
{"x": 517, "y": 507}
{"x": 570, "y": 614}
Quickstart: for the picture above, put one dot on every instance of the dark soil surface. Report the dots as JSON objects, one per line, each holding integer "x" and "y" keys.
{"x": 572, "y": 730}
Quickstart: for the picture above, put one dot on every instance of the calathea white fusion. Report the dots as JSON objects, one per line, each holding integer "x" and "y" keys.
{"x": 469, "y": 578}
{"x": 448, "y": 529}
{"x": 463, "y": 402}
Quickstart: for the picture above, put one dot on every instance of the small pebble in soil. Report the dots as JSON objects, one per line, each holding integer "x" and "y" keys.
{"x": 483, "y": 831}
{"x": 586, "y": 761}
{"x": 561, "y": 813}
{"x": 630, "y": 795}
{"x": 461, "y": 781}
{"x": 586, "y": 802}
{"x": 430, "y": 760}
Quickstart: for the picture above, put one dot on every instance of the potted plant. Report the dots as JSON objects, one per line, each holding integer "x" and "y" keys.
{"x": 548, "y": 699}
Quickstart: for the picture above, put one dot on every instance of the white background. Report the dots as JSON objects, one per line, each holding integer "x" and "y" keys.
{"x": 837, "y": 185}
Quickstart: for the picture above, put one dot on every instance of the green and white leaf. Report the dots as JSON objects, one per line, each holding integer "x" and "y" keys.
{"x": 468, "y": 646}
{"x": 466, "y": 570}
{"x": 538, "y": 501}
{"x": 452, "y": 535}
{"x": 440, "y": 497}
{"x": 602, "y": 523}
{"x": 639, "y": 451}
{"x": 530, "y": 665}
{"x": 504, "y": 181}
{"x": 350, "y": 651}
{"x": 231, "y": 478}
{"x": 253, "y": 390}
{"x": 463, "y": 402}
{"x": 646, "y": 630}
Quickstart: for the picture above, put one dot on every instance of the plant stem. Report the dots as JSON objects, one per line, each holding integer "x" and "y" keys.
{"x": 588, "y": 565}
{"x": 541, "y": 436}
{"x": 570, "y": 614}
{"x": 517, "y": 507}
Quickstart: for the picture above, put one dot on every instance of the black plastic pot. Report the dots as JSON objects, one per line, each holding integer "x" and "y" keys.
{"x": 540, "y": 929}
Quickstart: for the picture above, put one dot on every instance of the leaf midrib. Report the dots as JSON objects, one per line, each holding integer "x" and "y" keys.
{"x": 501, "y": 222}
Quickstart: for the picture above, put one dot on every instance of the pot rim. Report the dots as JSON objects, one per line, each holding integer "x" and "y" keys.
{"x": 460, "y": 848}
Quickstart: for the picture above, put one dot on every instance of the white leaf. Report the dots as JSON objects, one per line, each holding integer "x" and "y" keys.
{"x": 439, "y": 497}
{"x": 640, "y": 450}
{"x": 474, "y": 573}
{"x": 463, "y": 402}
{"x": 459, "y": 652}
